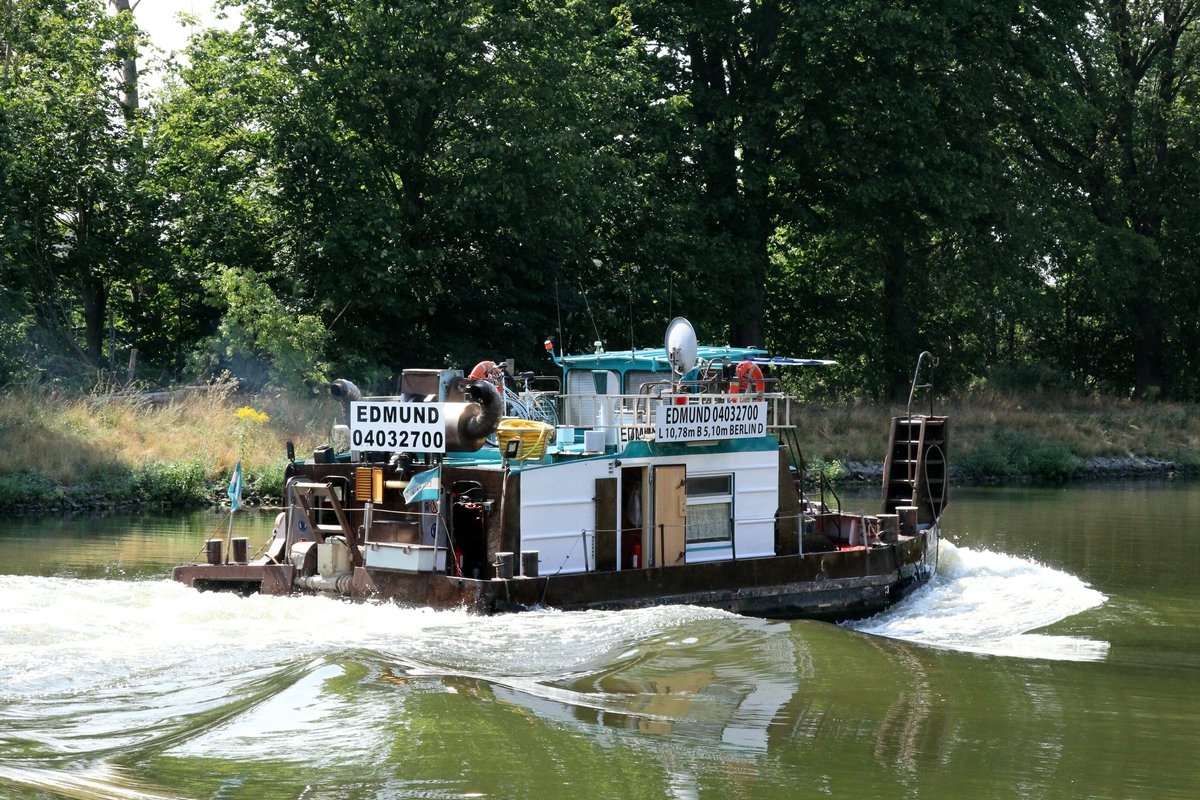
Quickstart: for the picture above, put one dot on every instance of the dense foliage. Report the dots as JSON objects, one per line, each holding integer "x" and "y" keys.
{"x": 359, "y": 186}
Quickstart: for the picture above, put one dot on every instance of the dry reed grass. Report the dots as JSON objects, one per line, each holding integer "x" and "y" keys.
{"x": 72, "y": 439}
{"x": 1087, "y": 427}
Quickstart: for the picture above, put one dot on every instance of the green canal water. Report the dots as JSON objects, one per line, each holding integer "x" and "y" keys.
{"x": 1055, "y": 655}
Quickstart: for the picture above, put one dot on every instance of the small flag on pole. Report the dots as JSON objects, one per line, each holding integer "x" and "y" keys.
{"x": 235, "y": 488}
{"x": 424, "y": 486}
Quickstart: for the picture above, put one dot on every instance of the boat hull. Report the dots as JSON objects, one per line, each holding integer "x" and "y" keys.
{"x": 829, "y": 585}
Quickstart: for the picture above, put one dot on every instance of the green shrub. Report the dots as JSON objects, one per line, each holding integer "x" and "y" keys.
{"x": 258, "y": 330}
{"x": 1049, "y": 462}
{"x": 1188, "y": 459}
{"x": 1015, "y": 453}
{"x": 831, "y": 471}
{"x": 15, "y": 362}
{"x": 1032, "y": 378}
{"x": 173, "y": 483}
{"x": 28, "y": 487}
{"x": 264, "y": 482}
{"x": 114, "y": 486}
{"x": 988, "y": 462}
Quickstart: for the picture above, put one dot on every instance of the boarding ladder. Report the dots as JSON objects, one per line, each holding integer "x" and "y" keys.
{"x": 915, "y": 470}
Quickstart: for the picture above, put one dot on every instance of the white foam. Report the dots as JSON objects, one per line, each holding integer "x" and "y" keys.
{"x": 65, "y": 635}
{"x": 62, "y": 634}
{"x": 987, "y": 602}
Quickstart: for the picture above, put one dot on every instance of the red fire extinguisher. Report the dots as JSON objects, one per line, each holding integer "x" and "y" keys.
{"x": 637, "y": 555}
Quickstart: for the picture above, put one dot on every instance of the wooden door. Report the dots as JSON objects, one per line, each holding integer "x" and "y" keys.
{"x": 670, "y": 514}
{"x": 606, "y": 524}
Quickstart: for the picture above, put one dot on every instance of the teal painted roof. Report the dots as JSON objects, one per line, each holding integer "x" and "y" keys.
{"x": 655, "y": 358}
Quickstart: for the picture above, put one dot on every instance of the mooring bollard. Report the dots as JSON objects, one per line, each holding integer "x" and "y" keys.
{"x": 529, "y": 563}
{"x": 504, "y": 565}
{"x": 889, "y": 527}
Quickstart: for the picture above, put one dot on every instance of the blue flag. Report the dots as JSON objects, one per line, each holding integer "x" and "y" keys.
{"x": 235, "y": 488}
{"x": 424, "y": 486}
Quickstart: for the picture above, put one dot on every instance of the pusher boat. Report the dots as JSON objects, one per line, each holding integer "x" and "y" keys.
{"x": 628, "y": 479}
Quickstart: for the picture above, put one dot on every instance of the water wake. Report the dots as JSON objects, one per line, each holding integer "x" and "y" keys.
{"x": 100, "y": 783}
{"x": 98, "y": 668}
{"x": 65, "y": 636}
{"x": 993, "y": 603}
{"x": 97, "y": 676}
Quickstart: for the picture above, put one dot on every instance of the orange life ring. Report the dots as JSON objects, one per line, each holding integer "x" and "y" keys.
{"x": 748, "y": 373}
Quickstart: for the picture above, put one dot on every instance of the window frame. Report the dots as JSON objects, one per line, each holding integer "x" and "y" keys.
{"x": 711, "y": 498}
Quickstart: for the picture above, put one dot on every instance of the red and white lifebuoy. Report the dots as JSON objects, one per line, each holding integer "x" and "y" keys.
{"x": 749, "y": 378}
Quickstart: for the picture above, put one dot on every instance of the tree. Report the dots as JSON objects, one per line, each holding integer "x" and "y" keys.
{"x": 903, "y": 225}
{"x": 75, "y": 226}
{"x": 213, "y": 173}
{"x": 1120, "y": 151}
{"x": 442, "y": 167}
{"x": 723, "y": 63}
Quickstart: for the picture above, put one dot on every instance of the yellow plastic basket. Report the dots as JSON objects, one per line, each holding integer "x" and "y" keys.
{"x": 534, "y": 436}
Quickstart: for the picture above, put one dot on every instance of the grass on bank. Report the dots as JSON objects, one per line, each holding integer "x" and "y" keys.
{"x": 997, "y": 435}
{"x": 78, "y": 452}
{"x": 64, "y": 452}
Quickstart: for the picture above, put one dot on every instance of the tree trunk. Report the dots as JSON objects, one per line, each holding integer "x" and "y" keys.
{"x": 733, "y": 78}
{"x": 129, "y": 69}
{"x": 95, "y": 312}
{"x": 1150, "y": 381}
{"x": 896, "y": 323}
{"x": 6, "y": 48}
{"x": 754, "y": 237}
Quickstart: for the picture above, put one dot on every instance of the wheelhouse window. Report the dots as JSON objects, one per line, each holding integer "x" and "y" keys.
{"x": 709, "y": 509}
{"x": 636, "y": 379}
{"x": 582, "y": 406}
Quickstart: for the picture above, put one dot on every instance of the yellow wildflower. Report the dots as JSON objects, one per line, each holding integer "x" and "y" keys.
{"x": 249, "y": 414}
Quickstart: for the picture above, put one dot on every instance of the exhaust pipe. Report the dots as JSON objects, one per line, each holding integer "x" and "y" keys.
{"x": 347, "y": 392}
{"x": 491, "y": 409}
{"x": 469, "y": 424}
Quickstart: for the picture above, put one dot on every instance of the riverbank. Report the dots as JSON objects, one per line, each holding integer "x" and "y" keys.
{"x": 1110, "y": 468}
{"x": 82, "y": 454}
{"x": 86, "y": 454}
{"x": 1002, "y": 438}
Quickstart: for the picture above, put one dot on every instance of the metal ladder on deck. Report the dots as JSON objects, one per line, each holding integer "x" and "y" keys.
{"x": 915, "y": 469}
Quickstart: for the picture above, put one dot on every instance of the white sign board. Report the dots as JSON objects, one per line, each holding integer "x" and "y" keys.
{"x": 700, "y": 421}
{"x": 396, "y": 426}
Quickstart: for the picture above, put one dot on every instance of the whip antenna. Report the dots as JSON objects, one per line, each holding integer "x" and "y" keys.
{"x": 588, "y": 305}
{"x": 562, "y": 343}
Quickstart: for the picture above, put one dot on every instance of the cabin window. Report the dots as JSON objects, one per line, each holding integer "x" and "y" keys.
{"x": 636, "y": 379}
{"x": 581, "y": 406}
{"x": 709, "y": 509}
